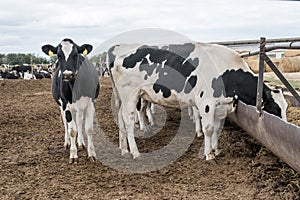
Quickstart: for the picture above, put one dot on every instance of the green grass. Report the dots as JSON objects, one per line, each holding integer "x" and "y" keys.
{"x": 275, "y": 81}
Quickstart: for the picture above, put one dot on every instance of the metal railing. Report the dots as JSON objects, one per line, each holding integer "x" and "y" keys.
{"x": 263, "y": 57}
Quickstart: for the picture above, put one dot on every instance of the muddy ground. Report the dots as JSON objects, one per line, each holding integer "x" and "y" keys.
{"x": 34, "y": 163}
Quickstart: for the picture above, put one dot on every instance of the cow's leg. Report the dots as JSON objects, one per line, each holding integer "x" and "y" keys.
{"x": 208, "y": 132}
{"x": 128, "y": 109}
{"x": 223, "y": 108}
{"x": 197, "y": 120}
{"x": 67, "y": 136}
{"x": 72, "y": 132}
{"x": 79, "y": 119}
{"x": 144, "y": 108}
{"x": 136, "y": 118}
{"x": 89, "y": 129}
{"x": 122, "y": 133}
{"x": 206, "y": 109}
{"x": 149, "y": 113}
{"x": 141, "y": 119}
{"x": 215, "y": 137}
{"x": 190, "y": 113}
{"x": 152, "y": 108}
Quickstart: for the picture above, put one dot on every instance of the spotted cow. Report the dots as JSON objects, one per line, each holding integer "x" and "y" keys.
{"x": 209, "y": 77}
{"x": 75, "y": 87}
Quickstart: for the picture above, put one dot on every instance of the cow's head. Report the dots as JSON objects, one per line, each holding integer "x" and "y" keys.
{"x": 276, "y": 104}
{"x": 69, "y": 57}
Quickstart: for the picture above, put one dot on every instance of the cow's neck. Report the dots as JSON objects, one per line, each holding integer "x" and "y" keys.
{"x": 67, "y": 92}
{"x": 267, "y": 95}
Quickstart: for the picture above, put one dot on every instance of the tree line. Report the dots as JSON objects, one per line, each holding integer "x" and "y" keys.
{"x": 21, "y": 58}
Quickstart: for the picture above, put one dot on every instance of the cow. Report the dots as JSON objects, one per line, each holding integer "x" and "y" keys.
{"x": 28, "y": 76}
{"x": 102, "y": 69}
{"x": 23, "y": 68}
{"x": 40, "y": 74}
{"x": 75, "y": 86}
{"x": 4, "y": 68}
{"x": 188, "y": 74}
{"x": 10, "y": 74}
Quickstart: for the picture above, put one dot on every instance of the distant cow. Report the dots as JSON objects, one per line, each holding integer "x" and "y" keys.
{"x": 10, "y": 75}
{"x": 40, "y": 74}
{"x": 75, "y": 87}
{"x": 190, "y": 74}
{"x": 28, "y": 76}
{"x": 22, "y": 68}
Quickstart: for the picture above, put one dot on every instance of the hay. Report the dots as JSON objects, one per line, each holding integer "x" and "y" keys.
{"x": 292, "y": 53}
{"x": 290, "y": 64}
{"x": 253, "y": 63}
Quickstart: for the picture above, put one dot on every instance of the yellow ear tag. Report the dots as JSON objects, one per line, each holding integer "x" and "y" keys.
{"x": 50, "y": 53}
{"x": 85, "y": 52}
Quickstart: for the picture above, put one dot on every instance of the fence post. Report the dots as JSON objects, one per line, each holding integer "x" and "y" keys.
{"x": 260, "y": 81}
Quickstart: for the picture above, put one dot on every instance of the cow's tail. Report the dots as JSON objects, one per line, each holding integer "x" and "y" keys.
{"x": 110, "y": 59}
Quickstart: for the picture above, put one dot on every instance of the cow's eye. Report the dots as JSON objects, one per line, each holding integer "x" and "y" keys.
{"x": 59, "y": 57}
{"x": 75, "y": 57}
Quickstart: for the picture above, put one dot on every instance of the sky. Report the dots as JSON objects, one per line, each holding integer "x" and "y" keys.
{"x": 27, "y": 25}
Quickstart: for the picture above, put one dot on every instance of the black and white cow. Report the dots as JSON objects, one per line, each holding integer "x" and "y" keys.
{"x": 23, "y": 68}
{"x": 40, "y": 74}
{"x": 75, "y": 87}
{"x": 10, "y": 75}
{"x": 190, "y": 74}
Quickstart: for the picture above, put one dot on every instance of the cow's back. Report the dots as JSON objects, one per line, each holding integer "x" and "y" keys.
{"x": 161, "y": 79}
{"x": 216, "y": 59}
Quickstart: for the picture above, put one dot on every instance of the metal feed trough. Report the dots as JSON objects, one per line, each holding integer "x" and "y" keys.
{"x": 282, "y": 138}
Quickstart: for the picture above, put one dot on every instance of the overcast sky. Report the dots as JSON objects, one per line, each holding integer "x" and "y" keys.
{"x": 26, "y": 25}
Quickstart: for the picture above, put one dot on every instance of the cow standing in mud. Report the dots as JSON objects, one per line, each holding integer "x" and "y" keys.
{"x": 75, "y": 87}
{"x": 191, "y": 74}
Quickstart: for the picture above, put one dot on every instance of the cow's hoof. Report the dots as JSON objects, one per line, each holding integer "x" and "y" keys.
{"x": 210, "y": 156}
{"x": 66, "y": 146}
{"x": 92, "y": 158}
{"x": 81, "y": 147}
{"x": 124, "y": 151}
{"x": 135, "y": 155}
{"x": 219, "y": 152}
{"x": 73, "y": 161}
{"x": 199, "y": 134}
{"x": 212, "y": 161}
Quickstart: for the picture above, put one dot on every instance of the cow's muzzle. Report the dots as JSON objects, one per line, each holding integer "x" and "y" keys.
{"x": 68, "y": 75}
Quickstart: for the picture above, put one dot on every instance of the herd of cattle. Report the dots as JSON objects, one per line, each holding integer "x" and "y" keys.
{"x": 25, "y": 71}
{"x": 208, "y": 79}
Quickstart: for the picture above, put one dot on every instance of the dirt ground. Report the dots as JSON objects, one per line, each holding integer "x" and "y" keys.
{"x": 34, "y": 163}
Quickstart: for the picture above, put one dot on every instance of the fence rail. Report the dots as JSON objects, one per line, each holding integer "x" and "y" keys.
{"x": 268, "y": 41}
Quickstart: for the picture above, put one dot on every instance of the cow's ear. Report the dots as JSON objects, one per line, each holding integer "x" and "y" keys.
{"x": 49, "y": 49}
{"x": 85, "y": 49}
